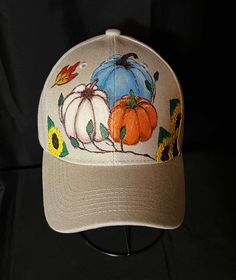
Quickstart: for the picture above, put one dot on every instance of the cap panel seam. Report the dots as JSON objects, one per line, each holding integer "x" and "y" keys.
{"x": 137, "y": 161}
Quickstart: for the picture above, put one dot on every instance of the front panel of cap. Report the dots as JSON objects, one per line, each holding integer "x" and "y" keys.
{"x": 111, "y": 101}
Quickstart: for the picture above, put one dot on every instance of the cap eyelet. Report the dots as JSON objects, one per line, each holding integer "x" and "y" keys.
{"x": 112, "y": 32}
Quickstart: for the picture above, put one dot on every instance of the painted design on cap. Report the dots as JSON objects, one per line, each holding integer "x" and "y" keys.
{"x": 115, "y": 111}
{"x": 66, "y": 75}
{"x": 175, "y": 113}
{"x": 167, "y": 141}
{"x": 82, "y": 112}
{"x": 120, "y": 73}
{"x": 136, "y": 115}
{"x": 56, "y": 144}
{"x": 87, "y": 119}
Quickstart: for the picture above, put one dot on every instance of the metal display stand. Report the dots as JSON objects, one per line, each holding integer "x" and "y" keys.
{"x": 129, "y": 243}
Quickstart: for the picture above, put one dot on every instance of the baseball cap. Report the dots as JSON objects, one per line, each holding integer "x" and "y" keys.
{"x": 110, "y": 122}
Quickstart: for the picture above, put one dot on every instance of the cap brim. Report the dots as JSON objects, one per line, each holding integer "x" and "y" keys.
{"x": 83, "y": 197}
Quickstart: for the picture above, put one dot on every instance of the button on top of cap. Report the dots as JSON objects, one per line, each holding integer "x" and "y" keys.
{"x": 113, "y": 32}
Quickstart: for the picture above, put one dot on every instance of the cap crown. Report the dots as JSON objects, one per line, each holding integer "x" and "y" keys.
{"x": 111, "y": 100}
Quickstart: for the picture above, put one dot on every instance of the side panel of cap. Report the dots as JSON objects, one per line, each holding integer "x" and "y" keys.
{"x": 167, "y": 99}
{"x": 42, "y": 114}
{"x": 87, "y": 54}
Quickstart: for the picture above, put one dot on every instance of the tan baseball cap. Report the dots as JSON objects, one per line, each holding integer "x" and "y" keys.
{"x": 110, "y": 122}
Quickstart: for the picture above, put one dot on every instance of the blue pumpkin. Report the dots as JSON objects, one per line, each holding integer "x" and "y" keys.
{"x": 119, "y": 74}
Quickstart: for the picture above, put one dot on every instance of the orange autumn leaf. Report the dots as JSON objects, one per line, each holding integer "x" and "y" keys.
{"x": 66, "y": 75}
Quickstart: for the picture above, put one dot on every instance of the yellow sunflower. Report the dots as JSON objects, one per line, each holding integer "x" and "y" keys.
{"x": 55, "y": 141}
{"x": 175, "y": 146}
{"x": 165, "y": 150}
{"x": 175, "y": 119}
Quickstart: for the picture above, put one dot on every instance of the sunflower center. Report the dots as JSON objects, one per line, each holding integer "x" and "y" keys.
{"x": 55, "y": 141}
{"x": 165, "y": 155}
{"x": 175, "y": 149}
{"x": 178, "y": 119}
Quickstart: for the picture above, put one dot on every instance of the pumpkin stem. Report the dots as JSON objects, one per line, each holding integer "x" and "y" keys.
{"x": 93, "y": 84}
{"x": 132, "y": 99}
{"x": 123, "y": 60}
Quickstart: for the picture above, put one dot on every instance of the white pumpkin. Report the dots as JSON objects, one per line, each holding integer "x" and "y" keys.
{"x": 84, "y": 104}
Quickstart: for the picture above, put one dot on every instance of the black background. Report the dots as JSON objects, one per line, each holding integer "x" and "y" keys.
{"x": 192, "y": 36}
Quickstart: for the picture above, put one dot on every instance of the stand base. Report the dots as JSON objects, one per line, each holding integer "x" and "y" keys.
{"x": 132, "y": 236}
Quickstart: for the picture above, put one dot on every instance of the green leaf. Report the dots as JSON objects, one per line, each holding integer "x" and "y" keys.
{"x": 163, "y": 133}
{"x": 64, "y": 151}
{"x": 132, "y": 99}
{"x": 74, "y": 142}
{"x": 122, "y": 132}
{"x": 50, "y": 123}
{"x": 90, "y": 128}
{"x": 104, "y": 131}
{"x": 173, "y": 104}
{"x": 148, "y": 85}
{"x": 61, "y": 100}
{"x": 156, "y": 76}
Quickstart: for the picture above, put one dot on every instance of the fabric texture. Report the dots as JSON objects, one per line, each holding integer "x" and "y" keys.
{"x": 82, "y": 197}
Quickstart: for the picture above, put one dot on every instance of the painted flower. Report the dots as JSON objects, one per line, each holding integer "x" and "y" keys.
{"x": 55, "y": 141}
{"x": 165, "y": 150}
{"x": 56, "y": 144}
{"x": 175, "y": 145}
{"x": 168, "y": 139}
{"x": 66, "y": 75}
{"x": 175, "y": 115}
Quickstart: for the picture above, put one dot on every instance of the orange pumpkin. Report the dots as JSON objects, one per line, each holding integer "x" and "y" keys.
{"x": 137, "y": 115}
